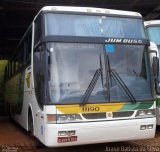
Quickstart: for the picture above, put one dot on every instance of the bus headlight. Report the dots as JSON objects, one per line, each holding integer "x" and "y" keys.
{"x": 145, "y": 113}
{"x": 63, "y": 118}
{"x": 141, "y": 113}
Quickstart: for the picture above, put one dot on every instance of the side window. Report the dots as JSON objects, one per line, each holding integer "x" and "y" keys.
{"x": 9, "y": 68}
{"x": 28, "y": 47}
{"x": 37, "y": 30}
{"x": 21, "y": 55}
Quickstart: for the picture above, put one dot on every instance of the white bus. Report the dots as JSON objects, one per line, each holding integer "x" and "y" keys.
{"x": 153, "y": 30}
{"x": 82, "y": 76}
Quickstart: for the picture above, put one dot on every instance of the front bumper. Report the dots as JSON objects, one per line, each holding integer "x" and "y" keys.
{"x": 100, "y": 132}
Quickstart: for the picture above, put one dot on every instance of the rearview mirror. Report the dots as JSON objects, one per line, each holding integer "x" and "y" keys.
{"x": 155, "y": 67}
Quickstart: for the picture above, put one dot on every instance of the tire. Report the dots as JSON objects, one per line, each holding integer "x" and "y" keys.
{"x": 30, "y": 123}
{"x": 38, "y": 144}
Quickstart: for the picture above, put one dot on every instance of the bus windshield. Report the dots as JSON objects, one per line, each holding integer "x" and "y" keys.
{"x": 93, "y": 26}
{"x": 72, "y": 67}
{"x": 154, "y": 34}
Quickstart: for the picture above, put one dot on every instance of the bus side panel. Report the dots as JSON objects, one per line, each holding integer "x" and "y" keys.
{"x": 30, "y": 102}
{"x": 22, "y": 118}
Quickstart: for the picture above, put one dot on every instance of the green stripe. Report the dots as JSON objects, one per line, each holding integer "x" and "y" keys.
{"x": 158, "y": 101}
{"x": 138, "y": 105}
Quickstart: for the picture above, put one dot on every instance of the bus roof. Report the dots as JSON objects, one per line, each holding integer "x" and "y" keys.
{"x": 90, "y": 10}
{"x": 151, "y": 23}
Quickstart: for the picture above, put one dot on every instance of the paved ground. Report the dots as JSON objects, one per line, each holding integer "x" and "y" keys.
{"x": 15, "y": 139}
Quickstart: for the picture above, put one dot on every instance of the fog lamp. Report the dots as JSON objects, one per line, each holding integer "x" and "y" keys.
{"x": 150, "y": 126}
{"x": 143, "y": 127}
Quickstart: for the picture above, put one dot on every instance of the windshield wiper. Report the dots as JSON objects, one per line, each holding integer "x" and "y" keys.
{"x": 115, "y": 76}
{"x": 91, "y": 86}
{"x": 100, "y": 60}
{"x": 108, "y": 75}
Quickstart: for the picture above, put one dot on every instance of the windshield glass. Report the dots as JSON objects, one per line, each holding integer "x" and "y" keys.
{"x": 72, "y": 67}
{"x": 93, "y": 26}
{"x": 154, "y": 34}
{"x": 159, "y": 63}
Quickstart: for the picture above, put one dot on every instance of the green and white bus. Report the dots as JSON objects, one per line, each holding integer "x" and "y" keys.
{"x": 82, "y": 76}
{"x": 153, "y": 30}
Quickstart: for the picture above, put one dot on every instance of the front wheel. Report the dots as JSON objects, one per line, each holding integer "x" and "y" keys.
{"x": 38, "y": 144}
{"x": 30, "y": 124}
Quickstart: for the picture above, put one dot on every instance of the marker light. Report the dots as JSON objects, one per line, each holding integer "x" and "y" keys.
{"x": 51, "y": 118}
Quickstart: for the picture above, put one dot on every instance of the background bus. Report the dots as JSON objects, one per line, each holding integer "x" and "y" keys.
{"x": 82, "y": 76}
{"x": 153, "y": 30}
{"x": 3, "y": 64}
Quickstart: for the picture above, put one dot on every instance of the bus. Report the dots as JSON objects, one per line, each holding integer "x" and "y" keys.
{"x": 3, "y": 64}
{"x": 81, "y": 75}
{"x": 153, "y": 30}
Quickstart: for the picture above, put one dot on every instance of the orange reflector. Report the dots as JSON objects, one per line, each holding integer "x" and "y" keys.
{"x": 51, "y": 117}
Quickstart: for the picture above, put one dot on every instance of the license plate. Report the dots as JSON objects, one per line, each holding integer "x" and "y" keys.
{"x": 66, "y": 139}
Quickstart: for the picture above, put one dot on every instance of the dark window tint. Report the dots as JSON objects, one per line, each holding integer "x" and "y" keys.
{"x": 37, "y": 31}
